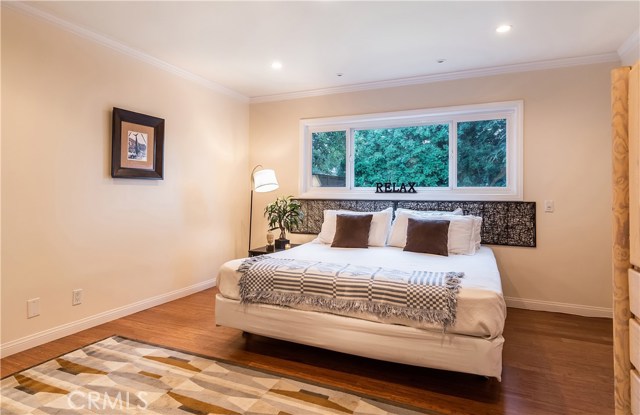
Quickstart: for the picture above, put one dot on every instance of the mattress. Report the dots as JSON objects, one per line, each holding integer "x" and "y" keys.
{"x": 481, "y": 308}
{"x": 390, "y": 342}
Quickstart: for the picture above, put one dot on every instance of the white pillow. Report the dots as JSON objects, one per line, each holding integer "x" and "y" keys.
{"x": 462, "y": 231}
{"x": 380, "y": 224}
{"x": 398, "y": 235}
{"x": 477, "y": 229}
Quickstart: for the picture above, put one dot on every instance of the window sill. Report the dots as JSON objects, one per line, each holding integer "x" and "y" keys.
{"x": 445, "y": 194}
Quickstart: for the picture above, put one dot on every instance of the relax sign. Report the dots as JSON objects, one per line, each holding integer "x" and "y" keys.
{"x": 391, "y": 188}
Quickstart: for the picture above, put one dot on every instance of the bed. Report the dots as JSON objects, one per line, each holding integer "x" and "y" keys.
{"x": 473, "y": 344}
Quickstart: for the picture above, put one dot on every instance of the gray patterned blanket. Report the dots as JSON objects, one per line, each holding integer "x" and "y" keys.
{"x": 419, "y": 295}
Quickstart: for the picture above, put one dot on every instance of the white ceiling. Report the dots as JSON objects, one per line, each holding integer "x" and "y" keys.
{"x": 234, "y": 43}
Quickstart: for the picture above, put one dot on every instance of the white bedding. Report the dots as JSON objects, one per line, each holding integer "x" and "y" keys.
{"x": 481, "y": 308}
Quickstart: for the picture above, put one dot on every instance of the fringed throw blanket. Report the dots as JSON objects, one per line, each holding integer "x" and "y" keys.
{"x": 422, "y": 296}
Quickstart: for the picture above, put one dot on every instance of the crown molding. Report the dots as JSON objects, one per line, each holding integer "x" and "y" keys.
{"x": 449, "y": 76}
{"x": 629, "y": 51}
{"x": 629, "y": 47}
{"x": 119, "y": 47}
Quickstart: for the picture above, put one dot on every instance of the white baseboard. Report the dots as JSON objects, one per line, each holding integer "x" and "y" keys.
{"x": 33, "y": 340}
{"x": 540, "y": 305}
{"x": 36, "y": 339}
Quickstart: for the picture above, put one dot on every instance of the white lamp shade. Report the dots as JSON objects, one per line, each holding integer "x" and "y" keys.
{"x": 265, "y": 181}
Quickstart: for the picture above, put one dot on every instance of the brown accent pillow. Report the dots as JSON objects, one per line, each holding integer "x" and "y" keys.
{"x": 428, "y": 236}
{"x": 352, "y": 231}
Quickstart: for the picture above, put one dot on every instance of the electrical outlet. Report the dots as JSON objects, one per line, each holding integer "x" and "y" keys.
{"x": 549, "y": 206}
{"x": 33, "y": 307}
{"x": 76, "y": 297}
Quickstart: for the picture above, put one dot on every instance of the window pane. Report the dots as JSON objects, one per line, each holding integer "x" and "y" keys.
{"x": 482, "y": 153}
{"x": 329, "y": 156}
{"x": 402, "y": 155}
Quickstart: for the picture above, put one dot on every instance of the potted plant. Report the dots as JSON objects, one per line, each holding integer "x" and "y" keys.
{"x": 284, "y": 214}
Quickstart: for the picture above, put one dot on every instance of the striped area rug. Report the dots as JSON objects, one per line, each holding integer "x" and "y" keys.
{"x": 123, "y": 376}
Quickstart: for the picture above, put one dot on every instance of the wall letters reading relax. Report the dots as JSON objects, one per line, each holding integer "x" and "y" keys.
{"x": 391, "y": 188}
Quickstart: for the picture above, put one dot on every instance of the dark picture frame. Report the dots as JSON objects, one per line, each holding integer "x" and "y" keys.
{"x": 137, "y": 145}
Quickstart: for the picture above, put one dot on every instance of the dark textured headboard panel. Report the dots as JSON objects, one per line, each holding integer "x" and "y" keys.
{"x": 503, "y": 223}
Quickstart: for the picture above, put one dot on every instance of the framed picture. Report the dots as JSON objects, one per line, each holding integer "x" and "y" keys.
{"x": 137, "y": 145}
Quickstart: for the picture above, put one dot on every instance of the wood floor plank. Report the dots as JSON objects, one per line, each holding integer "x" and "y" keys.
{"x": 553, "y": 363}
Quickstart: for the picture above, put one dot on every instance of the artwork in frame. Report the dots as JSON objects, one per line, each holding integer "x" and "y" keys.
{"x": 137, "y": 145}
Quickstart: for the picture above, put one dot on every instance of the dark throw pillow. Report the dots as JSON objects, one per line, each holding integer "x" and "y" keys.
{"x": 352, "y": 231}
{"x": 428, "y": 236}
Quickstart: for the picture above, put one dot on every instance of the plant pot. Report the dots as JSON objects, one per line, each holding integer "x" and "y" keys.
{"x": 281, "y": 243}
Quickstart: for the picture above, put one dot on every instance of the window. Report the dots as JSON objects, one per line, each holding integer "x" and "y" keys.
{"x": 482, "y": 153}
{"x": 401, "y": 155}
{"x": 464, "y": 153}
{"x": 329, "y": 155}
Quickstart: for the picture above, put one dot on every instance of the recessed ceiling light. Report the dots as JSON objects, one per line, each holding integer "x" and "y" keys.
{"x": 503, "y": 28}
{"x": 276, "y": 65}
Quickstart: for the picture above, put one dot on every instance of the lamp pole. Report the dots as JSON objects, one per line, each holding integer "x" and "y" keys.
{"x": 250, "y": 220}
{"x": 251, "y": 206}
{"x": 261, "y": 181}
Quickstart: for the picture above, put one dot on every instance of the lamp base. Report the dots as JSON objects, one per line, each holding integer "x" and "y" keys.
{"x": 281, "y": 243}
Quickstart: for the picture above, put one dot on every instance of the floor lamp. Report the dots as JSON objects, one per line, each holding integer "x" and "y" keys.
{"x": 262, "y": 181}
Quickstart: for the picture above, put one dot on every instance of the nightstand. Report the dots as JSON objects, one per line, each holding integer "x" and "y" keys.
{"x": 263, "y": 250}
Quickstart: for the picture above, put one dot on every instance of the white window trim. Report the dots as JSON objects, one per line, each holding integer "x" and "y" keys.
{"x": 511, "y": 110}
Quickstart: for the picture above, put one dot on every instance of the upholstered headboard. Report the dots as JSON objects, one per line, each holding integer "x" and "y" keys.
{"x": 503, "y": 223}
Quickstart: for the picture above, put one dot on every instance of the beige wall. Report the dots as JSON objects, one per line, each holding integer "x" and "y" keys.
{"x": 66, "y": 223}
{"x": 566, "y": 158}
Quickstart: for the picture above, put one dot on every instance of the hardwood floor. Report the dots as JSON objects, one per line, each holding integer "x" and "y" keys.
{"x": 553, "y": 363}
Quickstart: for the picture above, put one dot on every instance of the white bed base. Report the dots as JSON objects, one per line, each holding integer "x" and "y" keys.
{"x": 390, "y": 342}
